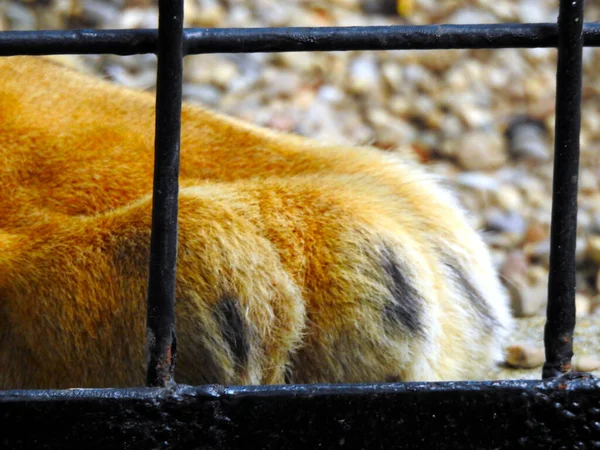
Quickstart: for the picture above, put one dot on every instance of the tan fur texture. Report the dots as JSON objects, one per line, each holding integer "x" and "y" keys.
{"x": 298, "y": 262}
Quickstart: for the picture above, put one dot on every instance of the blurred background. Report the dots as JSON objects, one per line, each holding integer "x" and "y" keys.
{"x": 483, "y": 118}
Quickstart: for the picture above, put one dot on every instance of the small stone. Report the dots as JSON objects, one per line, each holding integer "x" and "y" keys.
{"x": 388, "y": 7}
{"x": 535, "y": 192}
{"x": 202, "y": 94}
{"x": 527, "y": 138}
{"x": 537, "y": 275}
{"x": 361, "y": 133}
{"x": 538, "y": 251}
{"x": 244, "y": 84}
{"x": 590, "y": 119}
{"x": 320, "y": 122}
{"x": 425, "y": 142}
{"x": 509, "y": 198}
{"x": 588, "y": 181}
{"x": 580, "y": 250}
{"x": 423, "y": 108}
{"x": 224, "y": 73}
{"x": 477, "y": 180}
{"x": 504, "y": 11}
{"x": 457, "y": 79}
{"x": 479, "y": 150}
{"x": 526, "y": 300}
{"x": 505, "y": 241}
{"x": 281, "y": 123}
{"x": 400, "y": 105}
{"x": 141, "y": 80}
{"x": 389, "y": 129}
{"x": 304, "y": 97}
{"x": 515, "y": 265}
{"x": 392, "y": 74}
{"x": 19, "y": 16}
{"x": 276, "y": 14}
{"x": 474, "y": 116}
{"x": 536, "y": 89}
{"x": 364, "y": 75}
{"x": 595, "y": 305}
{"x": 584, "y": 219}
{"x": 593, "y": 249}
{"x": 498, "y": 78}
{"x": 585, "y": 363}
{"x": 451, "y": 126}
{"x": 439, "y": 61}
{"x": 536, "y": 232}
{"x": 465, "y": 16}
{"x": 239, "y": 15}
{"x": 505, "y": 222}
{"x": 281, "y": 82}
{"x": 525, "y": 356}
{"x": 201, "y": 69}
{"x": 299, "y": 62}
{"x": 418, "y": 76}
{"x": 534, "y": 11}
{"x": 536, "y": 300}
{"x": 537, "y": 54}
{"x": 98, "y": 14}
{"x": 138, "y": 18}
{"x": 583, "y": 305}
{"x": 331, "y": 94}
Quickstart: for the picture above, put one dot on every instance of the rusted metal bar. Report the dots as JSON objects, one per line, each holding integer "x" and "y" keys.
{"x": 554, "y": 414}
{"x": 161, "y": 339}
{"x": 560, "y": 324}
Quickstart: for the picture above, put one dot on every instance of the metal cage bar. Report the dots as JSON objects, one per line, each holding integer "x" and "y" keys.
{"x": 560, "y": 324}
{"x": 161, "y": 338}
{"x": 562, "y": 413}
{"x": 293, "y": 39}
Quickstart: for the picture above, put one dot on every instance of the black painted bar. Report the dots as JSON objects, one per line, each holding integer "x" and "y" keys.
{"x": 397, "y": 37}
{"x": 560, "y": 324}
{"x": 161, "y": 339}
{"x": 555, "y": 414}
{"x": 250, "y": 40}
{"x": 78, "y": 42}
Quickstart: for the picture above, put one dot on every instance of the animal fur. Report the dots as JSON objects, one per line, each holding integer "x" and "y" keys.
{"x": 298, "y": 262}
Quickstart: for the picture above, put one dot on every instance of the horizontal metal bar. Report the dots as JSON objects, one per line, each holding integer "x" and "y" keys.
{"x": 253, "y": 40}
{"x": 378, "y": 38}
{"x": 560, "y": 413}
{"x": 78, "y": 42}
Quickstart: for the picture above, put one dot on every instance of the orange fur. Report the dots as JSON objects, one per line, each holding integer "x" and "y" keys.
{"x": 298, "y": 262}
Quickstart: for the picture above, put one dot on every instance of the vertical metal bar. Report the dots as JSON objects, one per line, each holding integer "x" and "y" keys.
{"x": 161, "y": 338}
{"x": 560, "y": 323}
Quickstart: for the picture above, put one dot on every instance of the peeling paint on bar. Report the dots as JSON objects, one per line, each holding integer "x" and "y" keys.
{"x": 560, "y": 413}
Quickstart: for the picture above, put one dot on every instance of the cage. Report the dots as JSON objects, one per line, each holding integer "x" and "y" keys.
{"x": 560, "y": 411}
